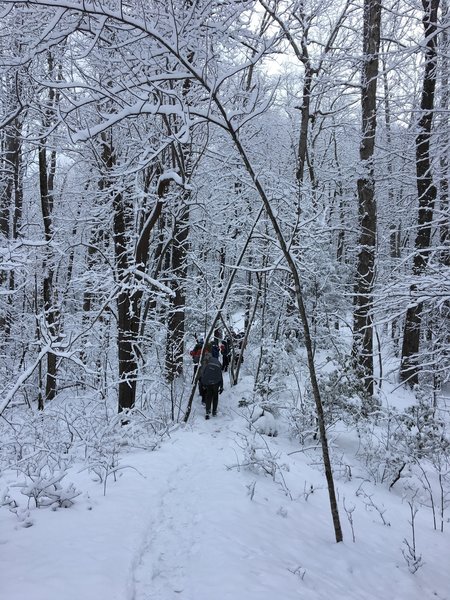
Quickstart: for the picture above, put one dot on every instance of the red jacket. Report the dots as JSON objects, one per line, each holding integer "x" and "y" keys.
{"x": 196, "y": 353}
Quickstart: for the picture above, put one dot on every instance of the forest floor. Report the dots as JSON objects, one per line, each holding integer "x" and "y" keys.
{"x": 217, "y": 512}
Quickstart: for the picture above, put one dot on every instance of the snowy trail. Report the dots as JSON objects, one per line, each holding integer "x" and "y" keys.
{"x": 179, "y": 556}
{"x": 181, "y": 525}
{"x": 208, "y": 541}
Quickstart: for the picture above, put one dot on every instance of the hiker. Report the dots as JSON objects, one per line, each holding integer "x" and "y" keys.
{"x": 202, "y": 388}
{"x": 215, "y": 351}
{"x": 225, "y": 350}
{"x": 212, "y": 383}
{"x": 196, "y": 353}
{"x": 238, "y": 344}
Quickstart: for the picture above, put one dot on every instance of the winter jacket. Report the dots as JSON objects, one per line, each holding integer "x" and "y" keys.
{"x": 225, "y": 347}
{"x": 212, "y": 373}
{"x": 196, "y": 353}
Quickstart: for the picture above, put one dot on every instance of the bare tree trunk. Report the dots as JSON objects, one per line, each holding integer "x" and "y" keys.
{"x": 339, "y": 193}
{"x": 46, "y": 193}
{"x": 127, "y": 326}
{"x": 304, "y": 121}
{"x": 394, "y": 237}
{"x": 365, "y": 271}
{"x": 127, "y": 318}
{"x": 129, "y": 304}
{"x": 426, "y": 190}
{"x": 177, "y": 313}
{"x": 47, "y": 172}
{"x": 11, "y": 192}
{"x": 444, "y": 225}
{"x": 176, "y": 317}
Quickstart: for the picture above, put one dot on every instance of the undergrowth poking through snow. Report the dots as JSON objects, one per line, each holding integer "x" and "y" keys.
{"x": 235, "y": 507}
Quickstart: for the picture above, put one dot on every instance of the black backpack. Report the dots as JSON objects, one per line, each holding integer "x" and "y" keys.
{"x": 212, "y": 373}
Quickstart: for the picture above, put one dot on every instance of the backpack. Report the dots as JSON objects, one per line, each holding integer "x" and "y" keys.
{"x": 212, "y": 373}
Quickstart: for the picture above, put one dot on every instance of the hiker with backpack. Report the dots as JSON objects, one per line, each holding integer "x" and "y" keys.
{"x": 212, "y": 383}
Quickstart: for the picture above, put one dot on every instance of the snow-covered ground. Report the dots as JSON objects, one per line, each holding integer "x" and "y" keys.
{"x": 193, "y": 520}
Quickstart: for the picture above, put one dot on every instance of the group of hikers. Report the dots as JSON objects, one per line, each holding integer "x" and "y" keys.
{"x": 210, "y": 380}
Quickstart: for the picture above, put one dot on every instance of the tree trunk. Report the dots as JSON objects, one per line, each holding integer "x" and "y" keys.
{"x": 129, "y": 303}
{"x": 426, "y": 190}
{"x": 128, "y": 319}
{"x": 444, "y": 225}
{"x": 11, "y": 193}
{"x": 47, "y": 172}
{"x": 363, "y": 313}
{"x": 176, "y": 317}
{"x": 177, "y": 313}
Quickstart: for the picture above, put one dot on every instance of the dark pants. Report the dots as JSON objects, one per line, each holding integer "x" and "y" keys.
{"x": 212, "y": 397}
